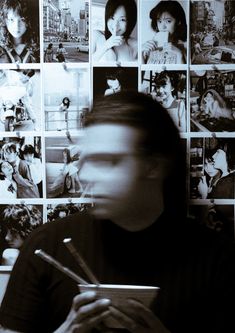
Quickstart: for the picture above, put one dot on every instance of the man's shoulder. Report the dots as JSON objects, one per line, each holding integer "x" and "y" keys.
{"x": 51, "y": 233}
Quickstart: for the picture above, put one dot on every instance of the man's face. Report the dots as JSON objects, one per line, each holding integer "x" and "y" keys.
{"x": 113, "y": 169}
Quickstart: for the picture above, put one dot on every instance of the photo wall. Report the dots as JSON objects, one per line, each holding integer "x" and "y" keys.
{"x": 57, "y": 56}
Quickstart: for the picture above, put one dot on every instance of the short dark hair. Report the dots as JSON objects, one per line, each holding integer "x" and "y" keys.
{"x": 160, "y": 79}
{"x": 27, "y": 149}
{"x": 175, "y": 9}
{"x": 131, "y": 14}
{"x": 160, "y": 135}
{"x": 21, "y": 219}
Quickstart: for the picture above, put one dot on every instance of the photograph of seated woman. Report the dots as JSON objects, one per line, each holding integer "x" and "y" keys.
{"x": 214, "y": 106}
{"x": 116, "y": 42}
{"x": 168, "y": 85}
{"x": 219, "y": 179}
{"x": 168, "y": 42}
{"x": 17, "y": 222}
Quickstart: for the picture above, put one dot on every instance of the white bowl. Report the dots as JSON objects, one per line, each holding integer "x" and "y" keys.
{"x": 118, "y": 294}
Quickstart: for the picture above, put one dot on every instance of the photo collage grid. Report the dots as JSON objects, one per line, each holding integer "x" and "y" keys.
{"x": 58, "y": 56}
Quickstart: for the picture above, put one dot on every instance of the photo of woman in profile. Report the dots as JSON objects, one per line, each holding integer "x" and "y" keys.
{"x": 167, "y": 45}
{"x": 115, "y": 43}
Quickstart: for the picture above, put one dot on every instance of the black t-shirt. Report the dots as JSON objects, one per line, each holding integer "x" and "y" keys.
{"x": 192, "y": 266}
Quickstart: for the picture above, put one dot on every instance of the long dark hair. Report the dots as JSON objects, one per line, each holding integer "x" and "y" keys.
{"x": 27, "y": 9}
{"x": 66, "y": 103}
{"x": 175, "y": 9}
{"x": 131, "y": 14}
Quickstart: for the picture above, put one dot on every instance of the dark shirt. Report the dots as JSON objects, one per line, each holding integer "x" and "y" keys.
{"x": 224, "y": 188}
{"x": 193, "y": 267}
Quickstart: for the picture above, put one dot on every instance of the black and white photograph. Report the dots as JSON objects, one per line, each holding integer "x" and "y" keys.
{"x": 164, "y": 32}
{"x": 117, "y": 166}
{"x": 212, "y": 100}
{"x": 212, "y": 168}
{"x": 169, "y": 89}
{"x": 57, "y": 211}
{"x": 110, "y": 80}
{"x": 62, "y": 168}
{"x": 17, "y": 222}
{"x": 66, "y": 31}
{"x": 212, "y": 33}
{"x": 114, "y": 31}
{"x": 21, "y": 168}
{"x": 19, "y": 31}
{"x": 20, "y": 100}
{"x": 66, "y": 97}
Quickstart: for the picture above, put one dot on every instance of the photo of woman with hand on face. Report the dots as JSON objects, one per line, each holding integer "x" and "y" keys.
{"x": 115, "y": 43}
{"x": 167, "y": 45}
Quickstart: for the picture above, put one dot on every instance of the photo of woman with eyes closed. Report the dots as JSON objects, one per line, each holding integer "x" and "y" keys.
{"x": 117, "y": 42}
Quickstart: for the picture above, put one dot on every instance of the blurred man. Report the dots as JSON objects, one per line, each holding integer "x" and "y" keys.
{"x": 136, "y": 233}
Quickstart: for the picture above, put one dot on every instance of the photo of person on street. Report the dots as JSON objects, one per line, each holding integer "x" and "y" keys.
{"x": 66, "y": 31}
{"x": 211, "y": 37}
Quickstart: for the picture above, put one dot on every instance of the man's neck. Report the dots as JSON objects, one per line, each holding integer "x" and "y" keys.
{"x": 140, "y": 219}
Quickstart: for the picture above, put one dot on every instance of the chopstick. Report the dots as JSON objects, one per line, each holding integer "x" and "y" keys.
{"x": 80, "y": 260}
{"x": 43, "y": 255}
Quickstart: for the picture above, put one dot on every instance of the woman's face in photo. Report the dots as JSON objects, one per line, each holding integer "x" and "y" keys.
{"x": 6, "y": 168}
{"x": 166, "y": 22}
{"x": 10, "y": 156}
{"x": 118, "y": 22}
{"x": 16, "y": 24}
{"x": 62, "y": 214}
{"x": 28, "y": 158}
{"x": 209, "y": 97}
{"x": 14, "y": 240}
{"x": 210, "y": 168}
{"x": 220, "y": 159}
{"x": 165, "y": 90}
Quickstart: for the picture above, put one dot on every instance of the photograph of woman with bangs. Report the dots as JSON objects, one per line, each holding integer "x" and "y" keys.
{"x": 168, "y": 28}
{"x": 116, "y": 38}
